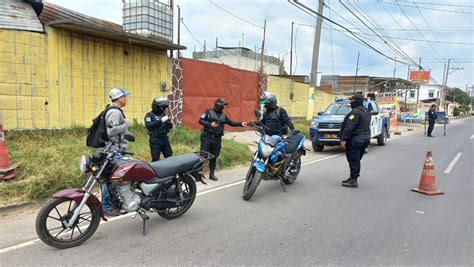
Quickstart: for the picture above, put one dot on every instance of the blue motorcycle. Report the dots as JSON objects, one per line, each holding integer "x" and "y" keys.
{"x": 276, "y": 158}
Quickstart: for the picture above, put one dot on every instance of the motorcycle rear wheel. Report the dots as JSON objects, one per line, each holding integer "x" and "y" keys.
{"x": 189, "y": 188}
{"x": 251, "y": 184}
{"x": 297, "y": 167}
{"x": 54, "y": 216}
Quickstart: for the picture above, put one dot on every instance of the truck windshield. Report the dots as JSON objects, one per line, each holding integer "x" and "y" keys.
{"x": 338, "y": 109}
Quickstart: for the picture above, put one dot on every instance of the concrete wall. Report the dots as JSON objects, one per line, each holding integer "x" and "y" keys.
{"x": 62, "y": 79}
{"x": 306, "y": 101}
{"x": 245, "y": 64}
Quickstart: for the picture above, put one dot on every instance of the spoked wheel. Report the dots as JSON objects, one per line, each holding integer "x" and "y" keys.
{"x": 293, "y": 171}
{"x": 251, "y": 184}
{"x": 53, "y": 218}
{"x": 188, "y": 186}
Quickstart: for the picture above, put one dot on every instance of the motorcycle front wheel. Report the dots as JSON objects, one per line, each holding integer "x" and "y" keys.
{"x": 54, "y": 216}
{"x": 251, "y": 184}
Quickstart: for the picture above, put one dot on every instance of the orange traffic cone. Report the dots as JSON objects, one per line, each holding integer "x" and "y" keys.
{"x": 5, "y": 165}
{"x": 427, "y": 181}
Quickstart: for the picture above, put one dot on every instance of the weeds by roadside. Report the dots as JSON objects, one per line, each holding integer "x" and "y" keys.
{"x": 49, "y": 158}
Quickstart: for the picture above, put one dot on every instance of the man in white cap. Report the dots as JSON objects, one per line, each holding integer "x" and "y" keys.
{"x": 117, "y": 124}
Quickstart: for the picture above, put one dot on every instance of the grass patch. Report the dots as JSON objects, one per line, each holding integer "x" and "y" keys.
{"x": 303, "y": 125}
{"x": 49, "y": 159}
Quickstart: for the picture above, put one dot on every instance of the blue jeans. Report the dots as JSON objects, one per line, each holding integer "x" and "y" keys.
{"x": 106, "y": 204}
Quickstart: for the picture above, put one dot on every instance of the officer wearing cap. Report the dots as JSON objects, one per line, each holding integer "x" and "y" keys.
{"x": 355, "y": 137}
{"x": 213, "y": 120}
{"x": 159, "y": 125}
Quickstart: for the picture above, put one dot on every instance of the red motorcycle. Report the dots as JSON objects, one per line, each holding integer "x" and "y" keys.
{"x": 167, "y": 187}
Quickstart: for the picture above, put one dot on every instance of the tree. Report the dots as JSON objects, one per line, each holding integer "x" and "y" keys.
{"x": 459, "y": 96}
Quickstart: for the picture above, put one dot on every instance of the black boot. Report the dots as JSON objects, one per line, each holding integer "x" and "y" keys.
{"x": 347, "y": 180}
{"x": 212, "y": 176}
{"x": 350, "y": 183}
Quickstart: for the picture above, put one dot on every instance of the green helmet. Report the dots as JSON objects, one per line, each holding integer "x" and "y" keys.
{"x": 269, "y": 100}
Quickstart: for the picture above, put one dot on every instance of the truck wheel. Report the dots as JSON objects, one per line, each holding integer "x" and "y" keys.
{"x": 317, "y": 147}
{"x": 382, "y": 138}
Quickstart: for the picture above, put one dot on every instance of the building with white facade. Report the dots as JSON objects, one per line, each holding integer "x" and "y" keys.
{"x": 241, "y": 58}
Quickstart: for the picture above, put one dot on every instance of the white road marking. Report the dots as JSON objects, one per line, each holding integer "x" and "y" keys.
{"x": 31, "y": 242}
{"x": 451, "y": 165}
{"x": 472, "y": 137}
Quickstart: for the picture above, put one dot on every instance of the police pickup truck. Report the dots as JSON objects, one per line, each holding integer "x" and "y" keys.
{"x": 325, "y": 129}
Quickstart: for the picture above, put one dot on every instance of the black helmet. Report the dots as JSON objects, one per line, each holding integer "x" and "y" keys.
{"x": 269, "y": 100}
{"x": 159, "y": 104}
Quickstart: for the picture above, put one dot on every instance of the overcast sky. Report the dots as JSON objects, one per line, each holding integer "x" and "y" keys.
{"x": 434, "y": 30}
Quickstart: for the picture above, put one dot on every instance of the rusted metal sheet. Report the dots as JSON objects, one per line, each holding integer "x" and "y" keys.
{"x": 18, "y": 15}
{"x": 206, "y": 81}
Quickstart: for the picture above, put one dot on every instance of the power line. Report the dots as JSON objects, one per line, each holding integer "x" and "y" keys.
{"x": 194, "y": 37}
{"x": 435, "y": 9}
{"x": 434, "y": 4}
{"x": 416, "y": 40}
{"x": 235, "y": 16}
{"x": 402, "y": 53}
{"x": 339, "y": 25}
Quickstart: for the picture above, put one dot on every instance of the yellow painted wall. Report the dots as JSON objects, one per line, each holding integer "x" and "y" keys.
{"x": 62, "y": 79}
{"x": 298, "y": 107}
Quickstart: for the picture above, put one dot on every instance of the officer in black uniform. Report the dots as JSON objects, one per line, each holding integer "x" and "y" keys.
{"x": 158, "y": 125}
{"x": 275, "y": 118}
{"x": 213, "y": 120}
{"x": 431, "y": 119}
{"x": 355, "y": 137}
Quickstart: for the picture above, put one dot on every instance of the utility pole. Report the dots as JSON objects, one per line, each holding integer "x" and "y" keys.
{"x": 179, "y": 29}
{"x": 217, "y": 44}
{"x": 394, "y": 66}
{"x": 418, "y": 89}
{"x": 357, "y": 70}
{"x": 263, "y": 44}
{"x": 317, "y": 41}
{"x": 242, "y": 39}
{"x": 443, "y": 88}
{"x": 406, "y": 88}
{"x": 291, "y": 50}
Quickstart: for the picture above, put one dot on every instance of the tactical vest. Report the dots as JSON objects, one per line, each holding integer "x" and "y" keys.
{"x": 272, "y": 120}
{"x": 162, "y": 129}
{"x": 215, "y": 117}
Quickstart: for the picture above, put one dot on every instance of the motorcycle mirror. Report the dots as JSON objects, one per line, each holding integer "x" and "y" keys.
{"x": 258, "y": 114}
{"x": 129, "y": 137}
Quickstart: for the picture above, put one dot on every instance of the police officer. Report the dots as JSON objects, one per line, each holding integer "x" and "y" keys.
{"x": 275, "y": 118}
{"x": 213, "y": 120}
{"x": 431, "y": 119}
{"x": 355, "y": 137}
{"x": 158, "y": 125}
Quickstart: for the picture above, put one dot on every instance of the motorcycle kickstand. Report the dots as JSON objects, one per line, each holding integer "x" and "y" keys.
{"x": 282, "y": 184}
{"x": 144, "y": 218}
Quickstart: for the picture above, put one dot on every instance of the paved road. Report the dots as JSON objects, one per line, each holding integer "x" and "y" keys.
{"x": 316, "y": 222}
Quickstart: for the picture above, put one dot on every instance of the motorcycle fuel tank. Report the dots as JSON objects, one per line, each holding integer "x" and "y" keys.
{"x": 132, "y": 170}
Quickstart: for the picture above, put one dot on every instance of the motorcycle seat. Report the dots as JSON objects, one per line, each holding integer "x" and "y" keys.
{"x": 293, "y": 142}
{"x": 174, "y": 165}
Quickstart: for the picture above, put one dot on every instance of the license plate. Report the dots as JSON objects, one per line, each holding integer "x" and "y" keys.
{"x": 330, "y": 136}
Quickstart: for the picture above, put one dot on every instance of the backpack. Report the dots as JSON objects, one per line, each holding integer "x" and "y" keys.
{"x": 283, "y": 124}
{"x": 97, "y": 133}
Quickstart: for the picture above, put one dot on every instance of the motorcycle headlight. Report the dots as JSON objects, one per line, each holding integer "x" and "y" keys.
{"x": 84, "y": 164}
{"x": 266, "y": 150}
{"x": 314, "y": 124}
